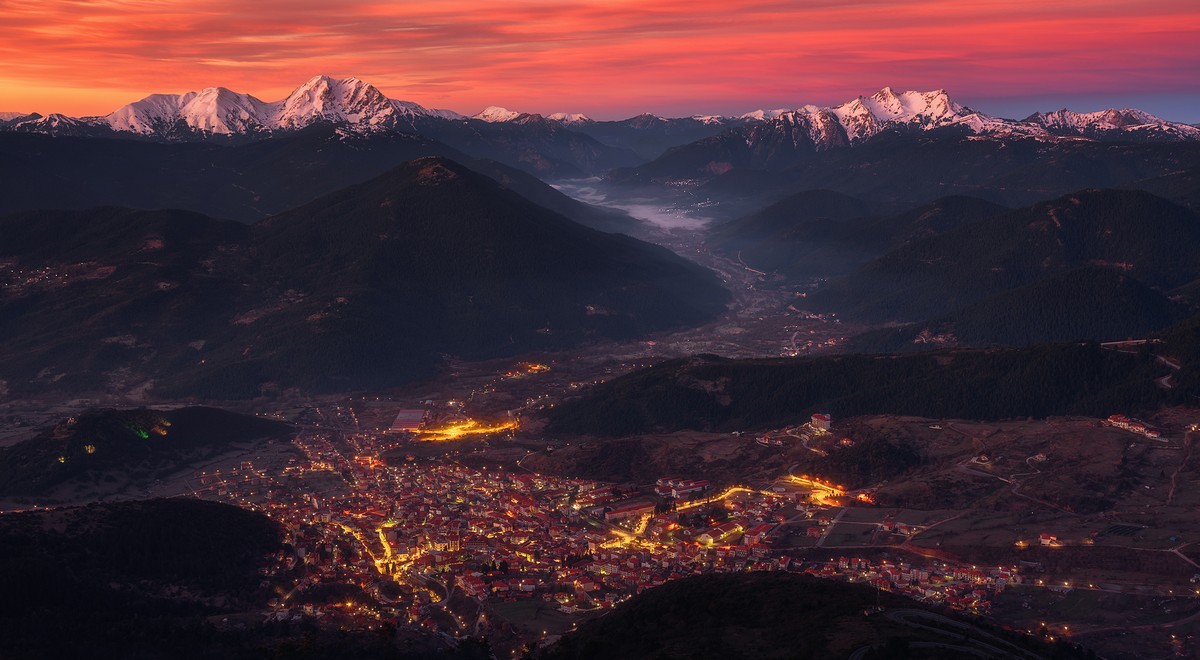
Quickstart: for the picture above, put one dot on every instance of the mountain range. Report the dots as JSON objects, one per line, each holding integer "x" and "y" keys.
{"x": 360, "y": 106}
{"x": 363, "y": 287}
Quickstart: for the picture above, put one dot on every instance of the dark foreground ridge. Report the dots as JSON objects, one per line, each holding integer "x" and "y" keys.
{"x": 178, "y": 578}
{"x": 104, "y": 451}
{"x": 784, "y": 615}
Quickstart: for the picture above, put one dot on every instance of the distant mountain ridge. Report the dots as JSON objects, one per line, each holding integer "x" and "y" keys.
{"x": 220, "y": 111}
{"x": 359, "y": 105}
{"x": 780, "y": 140}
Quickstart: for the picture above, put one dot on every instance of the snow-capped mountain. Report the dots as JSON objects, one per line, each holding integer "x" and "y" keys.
{"x": 867, "y": 116}
{"x": 363, "y": 109}
{"x": 54, "y": 123}
{"x": 495, "y": 114}
{"x": 213, "y": 110}
{"x": 888, "y": 110}
{"x": 1113, "y": 122}
{"x": 220, "y": 111}
{"x": 569, "y": 118}
{"x": 763, "y": 115}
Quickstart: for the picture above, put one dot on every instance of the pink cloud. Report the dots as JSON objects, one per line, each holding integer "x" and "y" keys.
{"x": 598, "y": 56}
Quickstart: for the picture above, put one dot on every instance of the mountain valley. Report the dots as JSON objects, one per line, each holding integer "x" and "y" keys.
{"x": 495, "y": 385}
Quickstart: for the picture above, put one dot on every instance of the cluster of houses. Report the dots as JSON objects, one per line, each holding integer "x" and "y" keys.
{"x": 971, "y": 589}
{"x": 1133, "y": 426}
{"x": 504, "y": 536}
{"x": 679, "y": 488}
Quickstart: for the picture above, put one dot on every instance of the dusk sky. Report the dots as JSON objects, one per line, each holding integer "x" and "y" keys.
{"x": 611, "y": 58}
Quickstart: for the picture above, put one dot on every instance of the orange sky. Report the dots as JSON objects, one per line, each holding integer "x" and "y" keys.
{"x": 607, "y": 58}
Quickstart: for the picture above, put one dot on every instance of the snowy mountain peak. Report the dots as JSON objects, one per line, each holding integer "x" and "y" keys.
{"x": 322, "y": 98}
{"x": 569, "y": 118}
{"x": 763, "y": 115}
{"x": 494, "y": 113}
{"x": 1110, "y": 122}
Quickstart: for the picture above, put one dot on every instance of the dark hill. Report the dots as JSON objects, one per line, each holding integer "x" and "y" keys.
{"x": 811, "y": 231}
{"x": 177, "y": 579}
{"x": 714, "y": 394}
{"x": 1089, "y": 303}
{"x": 778, "y": 615}
{"x": 1151, "y": 239}
{"x": 91, "y": 297}
{"x": 361, "y": 288}
{"x": 112, "y": 449}
{"x": 824, "y": 233}
{"x": 434, "y": 258}
{"x": 904, "y": 170}
{"x": 242, "y": 182}
{"x": 535, "y": 144}
{"x": 649, "y": 136}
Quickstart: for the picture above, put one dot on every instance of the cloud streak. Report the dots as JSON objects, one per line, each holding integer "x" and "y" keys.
{"x": 603, "y": 57}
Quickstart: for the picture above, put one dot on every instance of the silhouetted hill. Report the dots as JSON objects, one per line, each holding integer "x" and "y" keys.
{"x": 812, "y": 231}
{"x": 1151, "y": 239}
{"x": 156, "y": 579}
{"x": 242, "y": 182}
{"x": 99, "y": 298}
{"x": 536, "y": 144}
{"x": 708, "y": 393}
{"x": 1089, "y": 303}
{"x": 362, "y": 288}
{"x": 103, "y": 572}
{"x": 777, "y": 615}
{"x": 915, "y": 169}
{"x": 649, "y": 136}
{"x": 111, "y": 449}
{"x": 823, "y": 233}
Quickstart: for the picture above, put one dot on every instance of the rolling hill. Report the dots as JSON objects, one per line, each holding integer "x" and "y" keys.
{"x": 824, "y": 233}
{"x": 361, "y": 288}
{"x": 110, "y": 450}
{"x": 1148, "y": 238}
{"x": 1088, "y": 303}
{"x": 707, "y": 393}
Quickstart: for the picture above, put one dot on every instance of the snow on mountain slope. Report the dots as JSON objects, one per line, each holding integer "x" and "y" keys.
{"x": 362, "y": 108}
{"x": 213, "y": 110}
{"x": 763, "y": 115}
{"x": 1112, "y": 121}
{"x": 494, "y": 113}
{"x": 569, "y": 118}
{"x": 220, "y": 111}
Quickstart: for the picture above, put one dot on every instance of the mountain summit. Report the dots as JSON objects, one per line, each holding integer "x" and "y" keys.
{"x": 220, "y": 111}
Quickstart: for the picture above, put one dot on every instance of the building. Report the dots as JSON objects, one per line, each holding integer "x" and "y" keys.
{"x": 408, "y": 421}
{"x": 629, "y": 509}
{"x": 822, "y": 421}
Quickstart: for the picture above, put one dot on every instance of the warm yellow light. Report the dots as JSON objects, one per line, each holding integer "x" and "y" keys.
{"x": 457, "y": 430}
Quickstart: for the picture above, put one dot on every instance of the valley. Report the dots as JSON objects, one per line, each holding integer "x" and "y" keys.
{"x": 489, "y": 386}
{"x": 522, "y": 534}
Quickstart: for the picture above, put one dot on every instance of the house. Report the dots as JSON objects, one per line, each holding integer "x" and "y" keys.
{"x": 822, "y": 421}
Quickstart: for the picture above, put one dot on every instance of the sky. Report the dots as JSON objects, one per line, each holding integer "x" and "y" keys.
{"x": 610, "y": 58}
